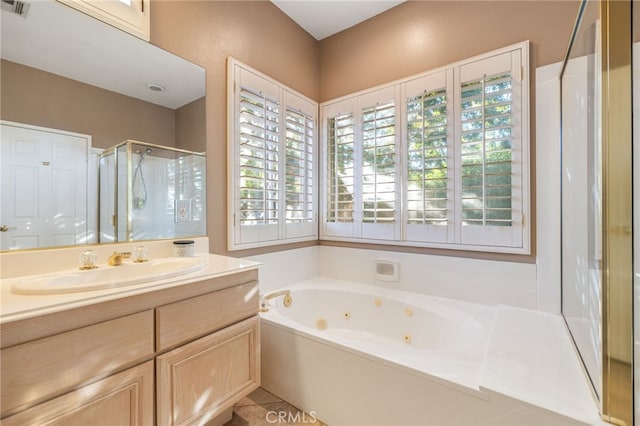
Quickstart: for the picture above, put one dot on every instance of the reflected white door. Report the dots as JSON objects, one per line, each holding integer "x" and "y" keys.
{"x": 44, "y": 187}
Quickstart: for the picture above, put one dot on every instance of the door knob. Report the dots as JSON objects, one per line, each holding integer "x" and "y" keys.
{"x": 5, "y": 228}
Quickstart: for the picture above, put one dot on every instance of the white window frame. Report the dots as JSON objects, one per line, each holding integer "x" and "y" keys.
{"x": 261, "y": 235}
{"x": 512, "y": 239}
{"x": 381, "y": 232}
{"x": 132, "y": 16}
{"x": 426, "y": 233}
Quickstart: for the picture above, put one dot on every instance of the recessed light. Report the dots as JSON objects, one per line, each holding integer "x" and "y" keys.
{"x": 155, "y": 87}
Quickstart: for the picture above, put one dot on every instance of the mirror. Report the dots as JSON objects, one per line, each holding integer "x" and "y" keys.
{"x": 68, "y": 75}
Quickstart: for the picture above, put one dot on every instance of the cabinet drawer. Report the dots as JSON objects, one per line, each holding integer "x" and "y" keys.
{"x": 126, "y": 398}
{"x": 198, "y": 316}
{"x": 199, "y": 380}
{"x": 44, "y": 368}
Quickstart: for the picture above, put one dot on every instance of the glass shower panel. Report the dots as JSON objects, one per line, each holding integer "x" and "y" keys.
{"x": 582, "y": 193}
{"x": 121, "y": 195}
{"x": 106, "y": 197}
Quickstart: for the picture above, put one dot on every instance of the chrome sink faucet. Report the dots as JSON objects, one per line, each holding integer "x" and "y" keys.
{"x": 116, "y": 258}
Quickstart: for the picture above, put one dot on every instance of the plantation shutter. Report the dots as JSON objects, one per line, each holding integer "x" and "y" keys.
{"x": 272, "y": 161}
{"x": 340, "y": 166}
{"x": 300, "y": 181}
{"x": 258, "y": 166}
{"x": 490, "y": 187}
{"x": 429, "y": 167}
{"x": 377, "y": 172}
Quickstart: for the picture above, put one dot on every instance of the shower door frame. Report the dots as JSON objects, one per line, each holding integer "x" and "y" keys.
{"x": 616, "y": 302}
{"x": 617, "y": 214}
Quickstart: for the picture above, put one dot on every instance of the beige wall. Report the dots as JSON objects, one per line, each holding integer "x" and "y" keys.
{"x": 254, "y": 32}
{"x": 35, "y": 97}
{"x": 411, "y": 38}
{"x": 191, "y": 131}
{"x": 420, "y": 35}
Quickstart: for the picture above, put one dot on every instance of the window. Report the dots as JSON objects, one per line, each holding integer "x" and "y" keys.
{"x": 438, "y": 160}
{"x": 131, "y": 16}
{"x": 428, "y": 189}
{"x": 362, "y": 189}
{"x": 341, "y": 173}
{"x": 272, "y": 160}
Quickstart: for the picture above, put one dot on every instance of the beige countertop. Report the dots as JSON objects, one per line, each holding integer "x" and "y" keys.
{"x": 16, "y": 307}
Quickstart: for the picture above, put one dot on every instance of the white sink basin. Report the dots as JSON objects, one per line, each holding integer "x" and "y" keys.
{"x": 128, "y": 273}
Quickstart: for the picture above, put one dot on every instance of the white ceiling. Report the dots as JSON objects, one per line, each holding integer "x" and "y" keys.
{"x": 323, "y": 18}
{"x": 59, "y": 40}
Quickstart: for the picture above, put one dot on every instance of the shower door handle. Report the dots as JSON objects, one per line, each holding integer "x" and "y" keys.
{"x": 5, "y": 228}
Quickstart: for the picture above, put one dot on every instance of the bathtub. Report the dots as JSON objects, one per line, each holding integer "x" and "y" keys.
{"x": 440, "y": 338}
{"x": 355, "y": 354}
{"x": 346, "y": 350}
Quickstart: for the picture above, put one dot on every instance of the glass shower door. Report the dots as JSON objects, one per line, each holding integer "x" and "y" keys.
{"x": 582, "y": 192}
{"x": 597, "y": 201}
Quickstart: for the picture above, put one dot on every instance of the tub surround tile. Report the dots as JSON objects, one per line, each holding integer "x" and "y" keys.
{"x": 474, "y": 280}
{"x": 548, "y": 184}
{"x": 488, "y": 282}
{"x": 287, "y": 267}
{"x": 530, "y": 357}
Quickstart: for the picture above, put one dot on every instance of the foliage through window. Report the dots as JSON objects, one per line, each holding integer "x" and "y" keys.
{"x": 427, "y": 158}
{"x": 341, "y": 168}
{"x": 378, "y": 163}
{"x": 259, "y": 158}
{"x": 486, "y": 151}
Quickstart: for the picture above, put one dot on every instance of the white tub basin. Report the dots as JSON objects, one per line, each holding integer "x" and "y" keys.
{"x": 128, "y": 273}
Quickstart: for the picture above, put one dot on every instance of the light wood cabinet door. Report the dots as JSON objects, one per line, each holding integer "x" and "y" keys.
{"x": 125, "y": 398}
{"x": 199, "y": 380}
{"x": 45, "y": 368}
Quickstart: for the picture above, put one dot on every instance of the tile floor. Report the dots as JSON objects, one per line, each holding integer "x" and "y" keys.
{"x": 262, "y": 408}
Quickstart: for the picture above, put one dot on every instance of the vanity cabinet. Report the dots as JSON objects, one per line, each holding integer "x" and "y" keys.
{"x": 182, "y": 355}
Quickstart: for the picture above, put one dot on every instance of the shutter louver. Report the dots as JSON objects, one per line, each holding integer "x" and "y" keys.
{"x": 378, "y": 164}
{"x": 259, "y": 158}
{"x": 299, "y": 167}
{"x": 427, "y": 162}
{"x": 486, "y": 151}
{"x": 340, "y": 164}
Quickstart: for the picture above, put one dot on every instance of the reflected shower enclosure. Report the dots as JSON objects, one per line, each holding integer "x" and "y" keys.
{"x": 150, "y": 192}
